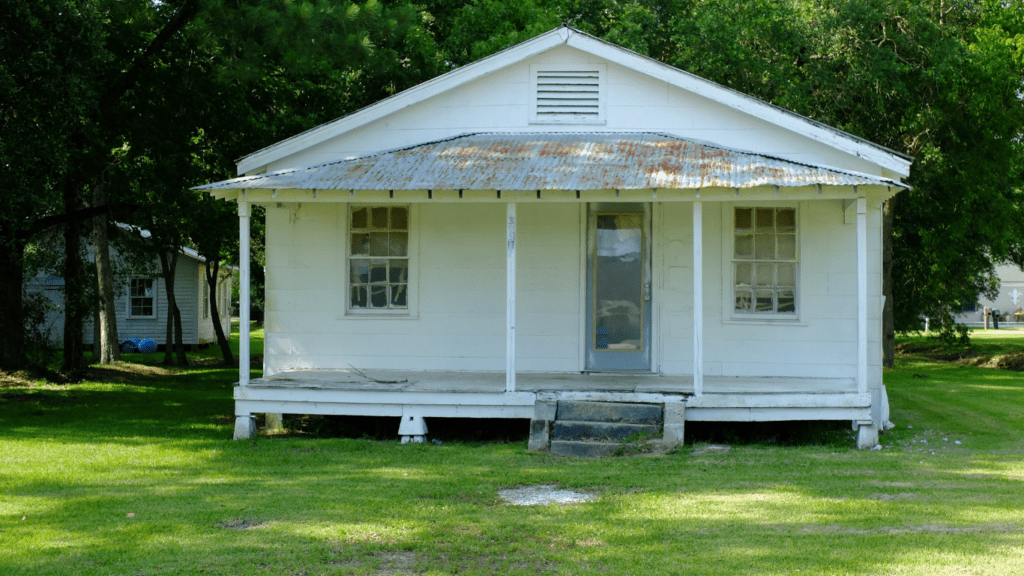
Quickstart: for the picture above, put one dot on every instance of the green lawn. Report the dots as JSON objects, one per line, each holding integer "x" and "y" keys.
{"x": 136, "y": 474}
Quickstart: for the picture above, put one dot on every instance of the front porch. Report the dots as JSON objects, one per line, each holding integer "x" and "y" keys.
{"x": 436, "y": 394}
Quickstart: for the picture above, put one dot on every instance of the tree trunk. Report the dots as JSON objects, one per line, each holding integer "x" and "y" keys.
{"x": 12, "y": 337}
{"x": 888, "y": 322}
{"x": 75, "y": 299}
{"x": 168, "y": 264}
{"x": 107, "y": 346}
{"x": 212, "y": 278}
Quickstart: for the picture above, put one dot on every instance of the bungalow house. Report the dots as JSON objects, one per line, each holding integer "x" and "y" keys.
{"x": 560, "y": 229}
{"x": 1009, "y": 302}
{"x": 141, "y": 302}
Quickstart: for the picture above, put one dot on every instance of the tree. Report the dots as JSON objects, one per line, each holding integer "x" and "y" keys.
{"x": 155, "y": 84}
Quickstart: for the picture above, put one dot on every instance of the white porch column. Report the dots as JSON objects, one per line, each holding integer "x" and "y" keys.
{"x": 510, "y": 318}
{"x": 243, "y": 292}
{"x": 698, "y": 299}
{"x": 862, "y": 296}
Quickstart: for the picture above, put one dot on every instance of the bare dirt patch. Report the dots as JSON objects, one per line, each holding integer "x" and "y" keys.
{"x": 894, "y": 497}
{"x": 240, "y": 524}
{"x": 543, "y": 494}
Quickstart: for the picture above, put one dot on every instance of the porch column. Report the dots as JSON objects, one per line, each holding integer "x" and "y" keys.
{"x": 243, "y": 293}
{"x": 862, "y": 296}
{"x": 698, "y": 299}
{"x": 510, "y": 307}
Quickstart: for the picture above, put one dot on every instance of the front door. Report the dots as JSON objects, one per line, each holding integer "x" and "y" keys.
{"x": 618, "y": 287}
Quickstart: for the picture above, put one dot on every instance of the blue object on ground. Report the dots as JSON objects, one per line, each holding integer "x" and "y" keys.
{"x": 147, "y": 346}
{"x": 130, "y": 345}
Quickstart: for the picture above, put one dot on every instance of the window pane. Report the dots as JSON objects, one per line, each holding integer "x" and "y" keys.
{"x": 787, "y": 246}
{"x": 785, "y": 219}
{"x": 764, "y": 247}
{"x": 743, "y": 275}
{"x": 399, "y": 218}
{"x": 359, "y": 218}
{"x": 360, "y": 244}
{"x": 378, "y": 271}
{"x": 764, "y": 303}
{"x": 743, "y": 300}
{"x": 786, "y": 275}
{"x": 398, "y": 272}
{"x": 744, "y": 246}
{"x": 359, "y": 296}
{"x": 744, "y": 219}
{"x": 765, "y": 220}
{"x": 378, "y": 243}
{"x": 765, "y": 274}
{"x": 378, "y": 296}
{"x": 379, "y": 218}
{"x": 398, "y": 244}
{"x": 399, "y": 296}
{"x": 787, "y": 301}
{"x": 359, "y": 271}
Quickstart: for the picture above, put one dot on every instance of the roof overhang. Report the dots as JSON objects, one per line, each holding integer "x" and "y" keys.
{"x": 564, "y": 161}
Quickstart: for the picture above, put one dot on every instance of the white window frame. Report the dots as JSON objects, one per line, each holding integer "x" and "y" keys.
{"x": 729, "y": 313}
{"x": 602, "y": 72}
{"x": 412, "y": 298}
{"x": 156, "y": 298}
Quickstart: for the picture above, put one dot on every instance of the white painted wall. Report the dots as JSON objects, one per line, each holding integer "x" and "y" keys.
{"x": 456, "y": 321}
{"x": 635, "y": 102}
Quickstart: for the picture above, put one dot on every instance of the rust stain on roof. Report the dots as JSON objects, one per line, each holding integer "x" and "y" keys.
{"x": 562, "y": 161}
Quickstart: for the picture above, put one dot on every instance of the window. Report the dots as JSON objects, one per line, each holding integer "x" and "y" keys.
{"x": 141, "y": 298}
{"x": 378, "y": 258}
{"x": 764, "y": 261}
{"x": 206, "y": 297}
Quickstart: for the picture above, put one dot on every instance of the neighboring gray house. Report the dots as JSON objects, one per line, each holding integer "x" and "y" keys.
{"x": 142, "y": 303}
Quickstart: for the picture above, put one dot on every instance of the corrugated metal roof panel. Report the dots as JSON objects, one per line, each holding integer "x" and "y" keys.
{"x": 561, "y": 161}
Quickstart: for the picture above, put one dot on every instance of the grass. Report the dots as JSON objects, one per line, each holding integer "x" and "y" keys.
{"x": 135, "y": 473}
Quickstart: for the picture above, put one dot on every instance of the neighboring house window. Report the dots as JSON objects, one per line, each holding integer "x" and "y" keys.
{"x": 378, "y": 258}
{"x": 972, "y": 307}
{"x": 765, "y": 259}
{"x": 206, "y": 298}
{"x": 141, "y": 298}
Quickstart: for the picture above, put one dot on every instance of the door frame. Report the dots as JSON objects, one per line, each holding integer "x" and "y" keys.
{"x": 648, "y": 314}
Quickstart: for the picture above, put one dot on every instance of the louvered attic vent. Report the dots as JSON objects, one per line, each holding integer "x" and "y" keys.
{"x": 563, "y": 95}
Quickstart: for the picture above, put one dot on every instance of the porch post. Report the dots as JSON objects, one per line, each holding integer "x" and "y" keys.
{"x": 698, "y": 299}
{"x": 862, "y": 296}
{"x": 243, "y": 293}
{"x": 510, "y": 318}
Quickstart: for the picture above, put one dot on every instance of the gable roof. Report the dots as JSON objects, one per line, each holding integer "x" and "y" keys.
{"x": 843, "y": 141}
{"x": 544, "y": 161}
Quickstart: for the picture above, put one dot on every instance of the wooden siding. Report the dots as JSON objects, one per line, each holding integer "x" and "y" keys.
{"x": 634, "y": 101}
{"x": 457, "y": 320}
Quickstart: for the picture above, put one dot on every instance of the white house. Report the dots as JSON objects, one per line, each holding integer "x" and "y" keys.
{"x": 568, "y": 220}
{"x": 1009, "y": 300}
{"x": 141, "y": 303}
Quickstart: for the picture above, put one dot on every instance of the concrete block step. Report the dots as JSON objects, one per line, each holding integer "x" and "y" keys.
{"x": 584, "y": 449}
{"x": 611, "y": 431}
{"x": 583, "y": 411}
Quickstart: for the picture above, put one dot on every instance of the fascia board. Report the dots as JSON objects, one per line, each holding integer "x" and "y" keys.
{"x": 403, "y": 99}
{"x": 739, "y": 101}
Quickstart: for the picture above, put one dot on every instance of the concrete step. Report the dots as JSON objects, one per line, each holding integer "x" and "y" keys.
{"x": 582, "y": 411}
{"x": 609, "y": 431}
{"x": 584, "y": 449}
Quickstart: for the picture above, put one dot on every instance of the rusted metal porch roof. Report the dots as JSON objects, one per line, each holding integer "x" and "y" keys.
{"x": 559, "y": 161}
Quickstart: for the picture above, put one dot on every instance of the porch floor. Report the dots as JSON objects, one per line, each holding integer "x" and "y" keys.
{"x": 494, "y": 382}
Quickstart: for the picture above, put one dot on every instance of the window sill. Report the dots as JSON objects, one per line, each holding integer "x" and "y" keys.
{"x": 764, "y": 322}
{"x": 140, "y": 318}
{"x": 378, "y": 316}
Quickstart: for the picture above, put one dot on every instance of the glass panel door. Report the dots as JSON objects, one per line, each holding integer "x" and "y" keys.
{"x": 619, "y": 288}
